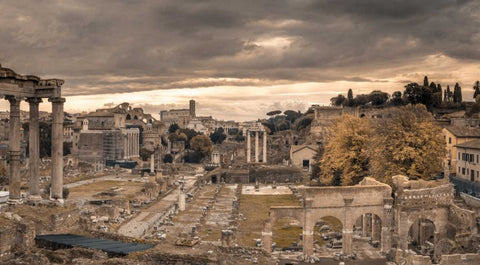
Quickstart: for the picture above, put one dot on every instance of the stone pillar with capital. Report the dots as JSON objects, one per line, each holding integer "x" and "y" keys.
{"x": 56, "y": 190}
{"x": 256, "y": 147}
{"x": 14, "y": 149}
{"x": 248, "y": 147}
{"x": 265, "y": 147}
{"x": 34, "y": 148}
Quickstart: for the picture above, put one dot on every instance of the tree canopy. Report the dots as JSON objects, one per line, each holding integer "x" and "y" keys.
{"x": 202, "y": 145}
{"x": 405, "y": 141}
{"x": 346, "y": 153}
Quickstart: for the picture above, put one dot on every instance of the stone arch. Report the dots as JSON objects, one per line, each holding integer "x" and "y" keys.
{"x": 286, "y": 230}
{"x": 327, "y": 230}
{"x": 278, "y": 213}
{"x": 422, "y": 236}
{"x": 368, "y": 228}
{"x": 129, "y": 117}
{"x": 135, "y": 117}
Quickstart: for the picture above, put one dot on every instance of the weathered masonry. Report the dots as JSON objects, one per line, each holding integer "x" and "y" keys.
{"x": 347, "y": 204}
{"x": 32, "y": 89}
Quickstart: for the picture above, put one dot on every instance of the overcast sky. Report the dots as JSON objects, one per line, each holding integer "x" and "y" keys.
{"x": 238, "y": 59}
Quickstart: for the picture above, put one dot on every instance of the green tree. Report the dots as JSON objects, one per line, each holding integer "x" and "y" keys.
{"x": 361, "y": 100}
{"x": 396, "y": 99}
{"x": 425, "y": 81}
{"x": 476, "y": 88}
{"x": 457, "y": 93}
{"x": 338, "y": 100}
{"x": 218, "y": 136}
{"x": 407, "y": 143}
{"x": 416, "y": 94}
{"x": 202, "y": 145}
{"x": 173, "y": 128}
{"x": 378, "y": 97}
{"x": 292, "y": 115}
{"x": 350, "y": 101}
{"x": 346, "y": 153}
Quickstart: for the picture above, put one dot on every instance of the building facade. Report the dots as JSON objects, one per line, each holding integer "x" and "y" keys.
{"x": 468, "y": 160}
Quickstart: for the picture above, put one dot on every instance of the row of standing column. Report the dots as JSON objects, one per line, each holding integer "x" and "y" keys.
{"x": 56, "y": 190}
{"x": 249, "y": 151}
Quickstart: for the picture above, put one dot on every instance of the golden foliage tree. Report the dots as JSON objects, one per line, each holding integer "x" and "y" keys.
{"x": 345, "y": 159}
{"x": 407, "y": 142}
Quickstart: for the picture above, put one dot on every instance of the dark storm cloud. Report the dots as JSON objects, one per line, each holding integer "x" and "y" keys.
{"x": 125, "y": 46}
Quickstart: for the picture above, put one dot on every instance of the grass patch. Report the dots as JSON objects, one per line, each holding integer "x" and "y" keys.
{"x": 255, "y": 209}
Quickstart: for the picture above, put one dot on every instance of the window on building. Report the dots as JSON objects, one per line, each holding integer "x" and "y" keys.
{"x": 449, "y": 140}
{"x": 472, "y": 159}
{"x": 463, "y": 171}
{"x": 477, "y": 159}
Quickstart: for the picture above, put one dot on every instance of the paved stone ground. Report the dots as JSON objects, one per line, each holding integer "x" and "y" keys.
{"x": 145, "y": 218}
{"x": 183, "y": 221}
{"x": 220, "y": 215}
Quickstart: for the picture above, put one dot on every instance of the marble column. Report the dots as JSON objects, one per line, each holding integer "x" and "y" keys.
{"x": 14, "y": 149}
{"x": 56, "y": 190}
{"x": 265, "y": 147}
{"x": 248, "y": 147}
{"x": 256, "y": 147}
{"x": 376, "y": 228}
{"x": 267, "y": 237}
{"x": 152, "y": 163}
{"x": 34, "y": 148}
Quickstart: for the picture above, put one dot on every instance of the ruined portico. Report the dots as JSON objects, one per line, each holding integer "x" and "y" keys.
{"x": 347, "y": 204}
{"x": 257, "y": 130}
{"x": 32, "y": 89}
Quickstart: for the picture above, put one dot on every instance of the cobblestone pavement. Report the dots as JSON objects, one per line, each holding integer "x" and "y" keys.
{"x": 145, "y": 218}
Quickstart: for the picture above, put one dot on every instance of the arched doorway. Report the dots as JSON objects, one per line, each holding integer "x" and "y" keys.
{"x": 214, "y": 179}
{"x": 367, "y": 234}
{"x": 421, "y": 236}
{"x": 327, "y": 235}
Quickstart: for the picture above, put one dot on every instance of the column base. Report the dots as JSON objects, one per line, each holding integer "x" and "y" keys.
{"x": 59, "y": 201}
{"x": 14, "y": 201}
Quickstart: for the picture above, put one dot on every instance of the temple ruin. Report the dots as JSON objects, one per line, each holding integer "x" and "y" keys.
{"x": 33, "y": 89}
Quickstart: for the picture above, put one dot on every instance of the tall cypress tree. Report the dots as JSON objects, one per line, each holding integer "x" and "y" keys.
{"x": 457, "y": 93}
{"x": 425, "y": 81}
{"x": 350, "y": 97}
{"x": 476, "y": 87}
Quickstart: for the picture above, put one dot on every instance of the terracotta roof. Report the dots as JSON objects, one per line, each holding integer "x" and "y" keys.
{"x": 474, "y": 144}
{"x": 461, "y": 131}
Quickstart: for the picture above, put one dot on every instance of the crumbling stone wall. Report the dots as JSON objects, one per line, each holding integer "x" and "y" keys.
{"x": 275, "y": 174}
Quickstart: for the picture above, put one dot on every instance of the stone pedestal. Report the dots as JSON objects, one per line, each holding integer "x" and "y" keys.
{"x": 56, "y": 190}
{"x": 152, "y": 164}
{"x": 249, "y": 151}
{"x": 347, "y": 238}
{"x": 264, "y": 147}
{"x": 267, "y": 237}
{"x": 307, "y": 243}
{"x": 181, "y": 200}
{"x": 14, "y": 150}
{"x": 34, "y": 149}
{"x": 227, "y": 238}
{"x": 256, "y": 147}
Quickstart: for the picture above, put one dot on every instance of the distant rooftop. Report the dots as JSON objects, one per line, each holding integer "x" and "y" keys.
{"x": 474, "y": 144}
{"x": 461, "y": 131}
